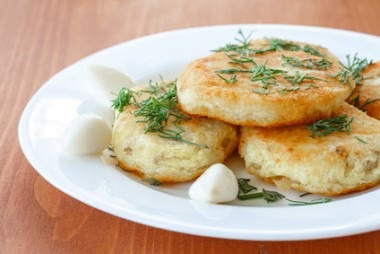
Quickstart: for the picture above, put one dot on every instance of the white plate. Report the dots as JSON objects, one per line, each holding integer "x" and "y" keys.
{"x": 101, "y": 185}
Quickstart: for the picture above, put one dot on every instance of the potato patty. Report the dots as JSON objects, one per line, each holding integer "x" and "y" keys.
{"x": 178, "y": 149}
{"x": 330, "y": 165}
{"x": 268, "y": 83}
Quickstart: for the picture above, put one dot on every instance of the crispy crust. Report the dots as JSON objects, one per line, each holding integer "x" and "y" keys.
{"x": 331, "y": 165}
{"x": 202, "y": 92}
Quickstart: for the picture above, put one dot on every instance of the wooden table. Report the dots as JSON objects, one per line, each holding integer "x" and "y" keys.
{"x": 39, "y": 38}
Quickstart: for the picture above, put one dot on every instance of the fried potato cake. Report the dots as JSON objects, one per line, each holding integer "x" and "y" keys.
{"x": 343, "y": 161}
{"x": 153, "y": 138}
{"x": 269, "y": 83}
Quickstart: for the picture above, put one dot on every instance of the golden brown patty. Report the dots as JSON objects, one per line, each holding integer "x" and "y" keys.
{"x": 331, "y": 165}
{"x": 367, "y": 95}
{"x": 278, "y": 87}
{"x": 202, "y": 141}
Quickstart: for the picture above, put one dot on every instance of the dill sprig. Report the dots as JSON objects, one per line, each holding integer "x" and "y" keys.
{"x": 309, "y": 63}
{"x": 157, "y": 110}
{"x": 312, "y": 202}
{"x": 244, "y": 186}
{"x": 124, "y": 98}
{"x": 325, "y": 127}
{"x": 356, "y": 66}
{"x": 313, "y": 51}
{"x": 260, "y": 72}
{"x": 343, "y": 76}
{"x": 299, "y": 78}
{"x": 283, "y": 45}
{"x": 242, "y": 45}
{"x": 247, "y": 192}
{"x": 356, "y": 102}
{"x": 231, "y": 80}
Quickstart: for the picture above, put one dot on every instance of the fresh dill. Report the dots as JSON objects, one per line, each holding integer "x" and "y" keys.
{"x": 312, "y": 202}
{"x": 325, "y": 127}
{"x": 343, "y": 76}
{"x": 233, "y": 71}
{"x": 248, "y": 192}
{"x": 124, "y": 98}
{"x": 241, "y": 59}
{"x": 360, "y": 140}
{"x": 156, "y": 111}
{"x": 367, "y": 102}
{"x": 260, "y": 72}
{"x": 308, "y": 63}
{"x": 242, "y": 45}
{"x": 288, "y": 89}
{"x": 355, "y": 66}
{"x": 244, "y": 186}
{"x": 283, "y": 45}
{"x": 298, "y": 78}
{"x": 231, "y": 80}
{"x": 356, "y": 102}
{"x": 311, "y": 50}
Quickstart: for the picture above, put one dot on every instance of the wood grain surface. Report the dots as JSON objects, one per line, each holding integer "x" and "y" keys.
{"x": 40, "y": 37}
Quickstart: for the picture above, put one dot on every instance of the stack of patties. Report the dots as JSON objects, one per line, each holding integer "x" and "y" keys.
{"x": 289, "y": 99}
{"x": 154, "y": 138}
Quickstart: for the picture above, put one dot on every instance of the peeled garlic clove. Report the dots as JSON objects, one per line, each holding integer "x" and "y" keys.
{"x": 217, "y": 184}
{"x": 86, "y": 135}
{"x": 110, "y": 80}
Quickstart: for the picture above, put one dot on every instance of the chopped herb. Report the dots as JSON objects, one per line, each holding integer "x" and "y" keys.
{"x": 176, "y": 135}
{"x": 272, "y": 196}
{"x": 242, "y": 45}
{"x": 313, "y": 202}
{"x": 232, "y": 71}
{"x": 260, "y": 72}
{"x": 152, "y": 181}
{"x": 367, "y": 102}
{"x": 361, "y": 140}
{"x": 244, "y": 185}
{"x": 343, "y": 75}
{"x": 309, "y": 63}
{"x": 232, "y": 79}
{"x": 288, "y": 89}
{"x": 125, "y": 98}
{"x": 356, "y": 66}
{"x": 298, "y": 78}
{"x": 304, "y": 194}
{"x": 269, "y": 196}
{"x": 156, "y": 111}
{"x": 325, "y": 127}
{"x": 356, "y": 102}
{"x": 309, "y": 49}
{"x": 281, "y": 45}
{"x": 240, "y": 59}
